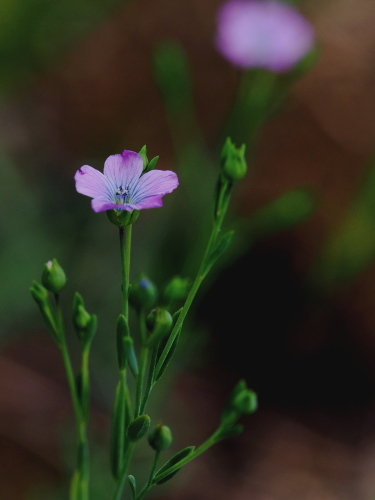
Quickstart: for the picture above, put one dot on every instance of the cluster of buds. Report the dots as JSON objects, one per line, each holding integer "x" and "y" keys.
{"x": 53, "y": 281}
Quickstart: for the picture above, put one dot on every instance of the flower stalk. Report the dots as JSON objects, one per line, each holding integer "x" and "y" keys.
{"x": 80, "y": 482}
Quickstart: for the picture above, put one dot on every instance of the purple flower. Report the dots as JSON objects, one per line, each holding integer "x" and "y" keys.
{"x": 122, "y": 185}
{"x": 263, "y": 34}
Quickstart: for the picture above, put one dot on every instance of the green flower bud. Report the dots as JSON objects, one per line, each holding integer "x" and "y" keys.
{"x": 159, "y": 322}
{"x": 175, "y": 290}
{"x": 84, "y": 323}
{"x": 143, "y": 293}
{"x": 160, "y": 438}
{"x": 82, "y": 318}
{"x": 53, "y": 276}
{"x": 241, "y": 401}
{"x": 39, "y": 293}
{"x": 245, "y": 402}
{"x": 159, "y": 319}
{"x": 122, "y": 218}
{"x": 233, "y": 163}
{"x": 138, "y": 428}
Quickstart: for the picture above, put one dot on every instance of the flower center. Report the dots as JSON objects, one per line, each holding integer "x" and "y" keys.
{"x": 122, "y": 195}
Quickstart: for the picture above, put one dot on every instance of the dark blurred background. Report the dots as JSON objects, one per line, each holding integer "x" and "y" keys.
{"x": 290, "y": 307}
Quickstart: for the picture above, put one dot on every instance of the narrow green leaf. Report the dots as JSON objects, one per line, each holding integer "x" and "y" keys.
{"x": 167, "y": 360}
{"x": 171, "y": 351}
{"x": 128, "y": 345}
{"x": 171, "y": 462}
{"x": 117, "y": 429}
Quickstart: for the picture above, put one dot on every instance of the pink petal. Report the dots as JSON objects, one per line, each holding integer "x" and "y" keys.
{"x": 155, "y": 182}
{"x": 149, "y": 202}
{"x": 123, "y": 169}
{"x": 91, "y": 182}
{"x": 101, "y": 205}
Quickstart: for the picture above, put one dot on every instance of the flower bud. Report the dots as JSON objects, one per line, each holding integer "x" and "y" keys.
{"x": 159, "y": 319}
{"x": 81, "y": 318}
{"x": 241, "y": 401}
{"x": 175, "y": 290}
{"x": 138, "y": 428}
{"x": 143, "y": 293}
{"x": 84, "y": 323}
{"x": 160, "y": 438}
{"x": 39, "y": 293}
{"x": 245, "y": 402}
{"x": 233, "y": 163}
{"x": 53, "y": 276}
{"x": 159, "y": 322}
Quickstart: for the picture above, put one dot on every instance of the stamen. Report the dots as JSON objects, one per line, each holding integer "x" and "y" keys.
{"x": 122, "y": 194}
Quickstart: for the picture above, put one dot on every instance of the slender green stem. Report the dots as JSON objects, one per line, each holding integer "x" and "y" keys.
{"x": 121, "y": 482}
{"x": 198, "y": 451}
{"x": 118, "y": 431}
{"x": 124, "y": 448}
{"x": 196, "y": 284}
{"x": 150, "y": 380}
{"x": 85, "y": 382}
{"x": 142, "y": 364}
{"x": 149, "y": 484}
{"x": 83, "y": 448}
{"x": 125, "y": 246}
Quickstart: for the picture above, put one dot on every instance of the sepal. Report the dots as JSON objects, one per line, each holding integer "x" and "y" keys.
{"x": 147, "y": 165}
{"x": 122, "y": 218}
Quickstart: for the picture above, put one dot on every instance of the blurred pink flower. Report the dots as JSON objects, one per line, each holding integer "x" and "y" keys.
{"x": 263, "y": 34}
